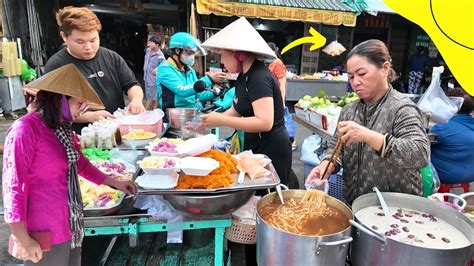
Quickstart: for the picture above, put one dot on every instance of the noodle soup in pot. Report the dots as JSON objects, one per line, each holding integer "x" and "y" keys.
{"x": 309, "y": 229}
{"x": 303, "y": 216}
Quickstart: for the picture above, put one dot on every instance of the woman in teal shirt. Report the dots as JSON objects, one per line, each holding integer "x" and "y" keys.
{"x": 178, "y": 84}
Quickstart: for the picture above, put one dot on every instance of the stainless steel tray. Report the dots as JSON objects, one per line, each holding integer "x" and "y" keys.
{"x": 101, "y": 211}
{"x": 257, "y": 184}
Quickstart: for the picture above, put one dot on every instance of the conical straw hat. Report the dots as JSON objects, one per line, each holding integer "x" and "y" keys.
{"x": 240, "y": 35}
{"x": 67, "y": 80}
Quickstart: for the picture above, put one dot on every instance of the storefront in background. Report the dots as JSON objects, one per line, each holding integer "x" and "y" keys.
{"x": 281, "y": 22}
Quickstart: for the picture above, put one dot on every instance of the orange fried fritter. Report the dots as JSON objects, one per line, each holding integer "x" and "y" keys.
{"x": 220, "y": 177}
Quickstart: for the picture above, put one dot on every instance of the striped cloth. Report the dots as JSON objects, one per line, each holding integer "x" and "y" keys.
{"x": 76, "y": 221}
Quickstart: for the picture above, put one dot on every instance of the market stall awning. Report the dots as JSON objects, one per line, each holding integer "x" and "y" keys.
{"x": 375, "y": 6}
{"x": 331, "y": 12}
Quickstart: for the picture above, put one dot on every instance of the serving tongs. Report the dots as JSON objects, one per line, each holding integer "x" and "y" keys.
{"x": 333, "y": 159}
{"x": 334, "y": 155}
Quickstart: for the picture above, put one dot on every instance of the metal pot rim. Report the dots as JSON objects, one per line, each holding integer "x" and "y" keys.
{"x": 412, "y": 198}
{"x": 273, "y": 194}
{"x": 391, "y": 240}
{"x": 207, "y": 196}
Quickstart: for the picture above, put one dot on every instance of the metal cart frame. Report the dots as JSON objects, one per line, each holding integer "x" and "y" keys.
{"x": 134, "y": 224}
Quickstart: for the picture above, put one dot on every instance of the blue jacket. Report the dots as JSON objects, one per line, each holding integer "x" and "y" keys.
{"x": 453, "y": 154}
{"x": 418, "y": 62}
{"x": 175, "y": 87}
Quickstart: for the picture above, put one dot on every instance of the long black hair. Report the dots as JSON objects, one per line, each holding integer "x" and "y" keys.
{"x": 48, "y": 104}
{"x": 275, "y": 49}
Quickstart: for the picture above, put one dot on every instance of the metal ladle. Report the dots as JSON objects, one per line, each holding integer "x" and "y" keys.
{"x": 279, "y": 192}
{"x": 382, "y": 202}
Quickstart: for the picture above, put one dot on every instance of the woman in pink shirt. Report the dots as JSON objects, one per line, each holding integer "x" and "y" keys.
{"x": 41, "y": 164}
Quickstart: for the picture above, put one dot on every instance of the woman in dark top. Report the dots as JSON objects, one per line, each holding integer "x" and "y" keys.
{"x": 258, "y": 106}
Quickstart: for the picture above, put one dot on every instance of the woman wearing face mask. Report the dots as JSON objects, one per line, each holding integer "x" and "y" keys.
{"x": 41, "y": 164}
{"x": 178, "y": 85}
{"x": 258, "y": 108}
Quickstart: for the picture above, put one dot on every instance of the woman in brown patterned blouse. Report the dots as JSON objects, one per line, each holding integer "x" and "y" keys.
{"x": 385, "y": 143}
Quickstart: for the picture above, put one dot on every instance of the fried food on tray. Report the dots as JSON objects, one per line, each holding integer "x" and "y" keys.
{"x": 210, "y": 181}
{"x": 219, "y": 178}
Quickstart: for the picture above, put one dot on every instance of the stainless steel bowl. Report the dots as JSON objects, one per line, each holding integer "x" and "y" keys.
{"x": 178, "y": 117}
{"x": 219, "y": 204}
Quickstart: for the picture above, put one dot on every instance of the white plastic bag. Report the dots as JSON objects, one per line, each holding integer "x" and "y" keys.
{"x": 88, "y": 138}
{"x": 247, "y": 214}
{"x": 435, "y": 102}
{"x": 159, "y": 208}
{"x": 308, "y": 149}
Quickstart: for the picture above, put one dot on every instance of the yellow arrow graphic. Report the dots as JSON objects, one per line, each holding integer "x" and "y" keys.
{"x": 316, "y": 39}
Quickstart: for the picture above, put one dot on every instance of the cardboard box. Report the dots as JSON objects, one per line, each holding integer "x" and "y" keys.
{"x": 301, "y": 113}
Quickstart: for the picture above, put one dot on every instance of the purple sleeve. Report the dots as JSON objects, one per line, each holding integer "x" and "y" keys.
{"x": 86, "y": 169}
{"x": 18, "y": 154}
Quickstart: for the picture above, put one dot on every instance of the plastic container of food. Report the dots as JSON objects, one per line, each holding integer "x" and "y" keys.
{"x": 158, "y": 181}
{"x": 151, "y": 121}
{"x": 165, "y": 147}
{"x": 152, "y": 165}
{"x": 196, "y": 146}
{"x": 138, "y": 139}
{"x": 197, "y": 166}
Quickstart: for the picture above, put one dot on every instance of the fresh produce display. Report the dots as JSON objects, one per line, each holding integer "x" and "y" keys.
{"x": 114, "y": 170}
{"x": 318, "y": 101}
{"x": 348, "y": 98}
{"x": 325, "y": 75}
{"x": 94, "y": 154}
{"x": 139, "y": 135}
{"x": 320, "y": 104}
{"x": 165, "y": 145}
{"x": 158, "y": 162}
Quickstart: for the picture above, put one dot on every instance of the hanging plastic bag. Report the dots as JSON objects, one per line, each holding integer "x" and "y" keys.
{"x": 88, "y": 138}
{"x": 308, "y": 149}
{"x": 436, "y": 181}
{"x": 247, "y": 214}
{"x": 159, "y": 208}
{"x": 427, "y": 178}
{"x": 27, "y": 73}
{"x": 440, "y": 107}
{"x": 236, "y": 144}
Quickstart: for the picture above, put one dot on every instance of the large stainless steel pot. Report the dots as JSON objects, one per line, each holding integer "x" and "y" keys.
{"x": 210, "y": 204}
{"x": 275, "y": 247}
{"x": 370, "y": 248}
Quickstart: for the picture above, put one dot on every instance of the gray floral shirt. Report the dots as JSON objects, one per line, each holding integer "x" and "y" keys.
{"x": 396, "y": 167}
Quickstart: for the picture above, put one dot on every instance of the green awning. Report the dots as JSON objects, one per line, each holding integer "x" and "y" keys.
{"x": 330, "y": 5}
